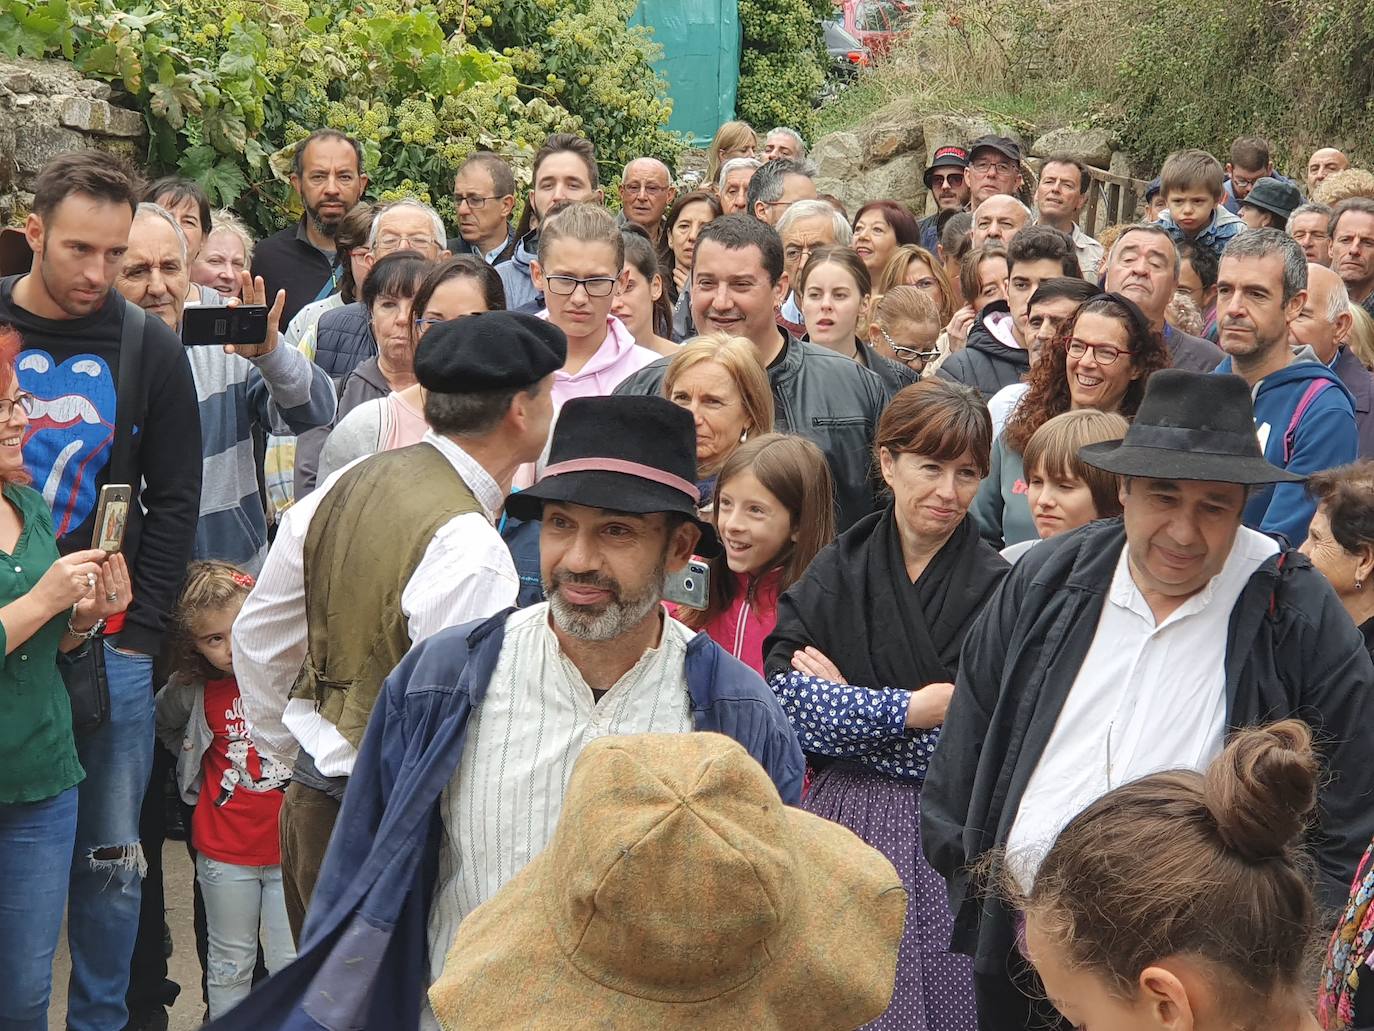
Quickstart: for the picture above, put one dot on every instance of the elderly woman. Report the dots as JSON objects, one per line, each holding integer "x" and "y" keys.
{"x": 1100, "y": 359}
{"x": 225, "y": 255}
{"x": 719, "y": 380}
{"x": 48, "y": 604}
{"x": 453, "y": 289}
{"x": 864, "y": 658}
{"x": 1340, "y": 540}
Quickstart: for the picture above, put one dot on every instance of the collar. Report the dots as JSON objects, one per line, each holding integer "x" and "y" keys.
{"x": 478, "y": 480}
{"x": 1249, "y": 548}
{"x": 1003, "y": 329}
{"x": 490, "y": 256}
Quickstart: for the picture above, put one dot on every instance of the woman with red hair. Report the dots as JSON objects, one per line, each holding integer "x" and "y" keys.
{"x": 47, "y": 604}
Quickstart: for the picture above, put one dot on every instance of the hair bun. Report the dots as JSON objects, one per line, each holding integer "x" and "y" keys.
{"x": 1262, "y": 788}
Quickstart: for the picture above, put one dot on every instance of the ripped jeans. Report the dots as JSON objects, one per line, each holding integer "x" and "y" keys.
{"x": 107, "y": 863}
{"x": 242, "y": 903}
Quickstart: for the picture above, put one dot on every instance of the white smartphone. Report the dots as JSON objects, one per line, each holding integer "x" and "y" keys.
{"x": 690, "y": 587}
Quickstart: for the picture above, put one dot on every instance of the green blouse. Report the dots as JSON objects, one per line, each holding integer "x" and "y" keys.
{"x": 37, "y": 749}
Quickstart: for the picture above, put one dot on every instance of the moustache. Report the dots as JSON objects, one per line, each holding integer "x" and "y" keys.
{"x": 602, "y": 583}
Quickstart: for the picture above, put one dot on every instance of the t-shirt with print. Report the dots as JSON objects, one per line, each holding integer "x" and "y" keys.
{"x": 235, "y": 820}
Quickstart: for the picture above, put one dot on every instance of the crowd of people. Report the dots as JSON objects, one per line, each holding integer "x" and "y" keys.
{"x": 721, "y": 611}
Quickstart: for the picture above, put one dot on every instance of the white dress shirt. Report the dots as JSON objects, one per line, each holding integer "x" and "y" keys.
{"x": 1149, "y": 697}
{"x": 502, "y": 805}
{"x": 466, "y": 573}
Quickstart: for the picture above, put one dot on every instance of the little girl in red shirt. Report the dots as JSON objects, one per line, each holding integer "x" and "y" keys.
{"x": 237, "y": 795}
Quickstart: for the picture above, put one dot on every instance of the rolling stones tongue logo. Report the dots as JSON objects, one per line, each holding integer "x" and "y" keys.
{"x": 70, "y": 433}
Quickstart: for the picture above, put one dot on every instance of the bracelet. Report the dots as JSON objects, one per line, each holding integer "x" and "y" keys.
{"x": 86, "y": 635}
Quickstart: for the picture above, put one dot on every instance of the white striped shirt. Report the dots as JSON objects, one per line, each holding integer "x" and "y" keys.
{"x": 466, "y": 574}
{"x": 501, "y": 806}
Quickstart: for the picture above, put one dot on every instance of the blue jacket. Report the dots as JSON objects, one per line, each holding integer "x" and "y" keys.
{"x": 364, "y": 955}
{"x": 516, "y": 277}
{"x": 1214, "y": 236}
{"x": 1324, "y": 437}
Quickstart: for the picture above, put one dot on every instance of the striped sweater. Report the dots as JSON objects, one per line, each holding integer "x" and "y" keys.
{"x": 283, "y": 388}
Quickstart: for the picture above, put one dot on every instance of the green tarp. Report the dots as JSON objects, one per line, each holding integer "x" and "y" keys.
{"x": 701, "y": 43}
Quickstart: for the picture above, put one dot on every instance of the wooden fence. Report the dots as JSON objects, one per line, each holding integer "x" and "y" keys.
{"x": 1112, "y": 199}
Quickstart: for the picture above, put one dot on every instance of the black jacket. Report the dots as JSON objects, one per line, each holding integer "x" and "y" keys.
{"x": 1291, "y": 651}
{"x": 985, "y": 362}
{"x": 825, "y": 397}
{"x": 894, "y": 374}
{"x": 289, "y": 261}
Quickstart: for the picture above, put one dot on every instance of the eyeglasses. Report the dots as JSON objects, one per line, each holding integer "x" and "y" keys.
{"x": 394, "y": 241}
{"x": 23, "y": 400}
{"x": 472, "y": 200}
{"x": 909, "y": 354}
{"x": 1244, "y": 182}
{"x": 651, "y": 189}
{"x": 566, "y": 286}
{"x": 1105, "y": 354}
{"x": 986, "y": 167}
{"x": 952, "y": 179}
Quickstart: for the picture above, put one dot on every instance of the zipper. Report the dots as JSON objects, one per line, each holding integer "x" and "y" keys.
{"x": 739, "y": 627}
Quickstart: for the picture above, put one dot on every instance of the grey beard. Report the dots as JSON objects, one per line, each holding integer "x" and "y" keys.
{"x": 617, "y": 618}
{"x": 329, "y": 227}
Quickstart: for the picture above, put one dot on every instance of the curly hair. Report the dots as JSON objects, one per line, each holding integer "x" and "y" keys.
{"x": 210, "y": 587}
{"x": 1049, "y": 396}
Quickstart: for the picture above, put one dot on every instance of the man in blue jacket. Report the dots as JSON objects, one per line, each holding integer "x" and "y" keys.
{"x": 1304, "y": 415}
{"x": 460, "y": 779}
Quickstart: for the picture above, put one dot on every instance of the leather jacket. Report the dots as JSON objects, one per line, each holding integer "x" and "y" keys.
{"x": 829, "y": 399}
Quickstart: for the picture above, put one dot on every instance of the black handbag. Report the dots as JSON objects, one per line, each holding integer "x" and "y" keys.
{"x": 83, "y": 668}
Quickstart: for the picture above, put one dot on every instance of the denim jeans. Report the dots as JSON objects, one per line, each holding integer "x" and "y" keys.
{"x": 35, "y": 846}
{"x": 107, "y": 864}
{"x": 241, "y": 902}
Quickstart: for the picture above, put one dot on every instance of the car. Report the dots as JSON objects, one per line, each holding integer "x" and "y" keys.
{"x": 877, "y": 24}
{"x": 847, "y": 54}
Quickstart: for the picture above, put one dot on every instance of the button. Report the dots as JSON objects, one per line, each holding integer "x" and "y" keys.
{"x": 23, "y": 658}
{"x": 18, "y": 569}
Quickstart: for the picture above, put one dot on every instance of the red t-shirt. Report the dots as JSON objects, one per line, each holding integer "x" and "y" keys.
{"x": 243, "y": 830}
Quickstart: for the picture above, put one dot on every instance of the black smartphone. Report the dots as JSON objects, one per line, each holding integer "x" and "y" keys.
{"x": 206, "y": 325}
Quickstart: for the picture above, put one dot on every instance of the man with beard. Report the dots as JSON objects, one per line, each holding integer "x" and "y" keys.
{"x": 460, "y": 778}
{"x": 327, "y": 174}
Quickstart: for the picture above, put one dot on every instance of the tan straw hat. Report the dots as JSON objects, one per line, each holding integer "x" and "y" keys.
{"x": 679, "y": 892}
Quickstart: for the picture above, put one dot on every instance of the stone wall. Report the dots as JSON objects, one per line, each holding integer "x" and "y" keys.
{"x": 886, "y": 155}
{"x": 47, "y": 107}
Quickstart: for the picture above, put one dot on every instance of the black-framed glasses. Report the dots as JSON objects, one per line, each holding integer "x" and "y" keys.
{"x": 23, "y": 399}
{"x": 566, "y": 286}
{"x": 909, "y": 354}
{"x": 947, "y": 179}
{"x": 1105, "y": 354}
{"x": 474, "y": 201}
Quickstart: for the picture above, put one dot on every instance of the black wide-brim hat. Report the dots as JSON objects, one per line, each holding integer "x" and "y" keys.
{"x": 625, "y": 454}
{"x": 1191, "y": 426}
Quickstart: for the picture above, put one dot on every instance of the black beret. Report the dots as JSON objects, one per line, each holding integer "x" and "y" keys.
{"x": 496, "y": 350}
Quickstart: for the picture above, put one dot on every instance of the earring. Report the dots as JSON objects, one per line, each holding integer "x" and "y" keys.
{"x": 1359, "y": 585}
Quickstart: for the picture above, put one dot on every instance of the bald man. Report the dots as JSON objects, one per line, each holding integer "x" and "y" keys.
{"x": 1324, "y": 326}
{"x": 646, "y": 190}
{"x": 1322, "y": 163}
{"x": 998, "y": 219}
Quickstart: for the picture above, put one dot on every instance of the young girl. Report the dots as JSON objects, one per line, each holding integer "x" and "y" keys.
{"x": 1063, "y": 491}
{"x": 773, "y": 512}
{"x": 235, "y": 792}
{"x": 641, "y": 301}
{"x": 1182, "y": 900}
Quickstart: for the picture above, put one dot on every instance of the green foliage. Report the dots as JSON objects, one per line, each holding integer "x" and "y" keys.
{"x": 782, "y": 62}
{"x": 1200, "y": 74}
{"x": 229, "y": 86}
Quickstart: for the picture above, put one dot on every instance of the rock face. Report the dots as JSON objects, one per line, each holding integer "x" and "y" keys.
{"x": 46, "y": 107}
{"x": 1090, "y": 146}
{"x": 887, "y": 155}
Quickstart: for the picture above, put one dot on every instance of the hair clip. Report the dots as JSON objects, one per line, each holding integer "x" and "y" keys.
{"x": 243, "y": 579}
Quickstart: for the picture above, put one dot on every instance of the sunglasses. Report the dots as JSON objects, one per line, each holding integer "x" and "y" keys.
{"x": 947, "y": 179}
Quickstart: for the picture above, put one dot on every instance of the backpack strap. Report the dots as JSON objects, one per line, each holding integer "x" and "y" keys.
{"x": 1309, "y": 395}
{"x": 127, "y": 381}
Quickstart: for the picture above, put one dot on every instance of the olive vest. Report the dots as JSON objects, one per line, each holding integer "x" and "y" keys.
{"x": 363, "y": 545}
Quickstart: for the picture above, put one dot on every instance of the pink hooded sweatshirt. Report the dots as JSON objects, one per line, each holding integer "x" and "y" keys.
{"x": 742, "y": 628}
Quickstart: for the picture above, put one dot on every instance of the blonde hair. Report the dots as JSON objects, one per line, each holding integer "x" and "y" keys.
{"x": 728, "y": 137}
{"x": 226, "y": 221}
{"x": 905, "y": 304}
{"x": 1108, "y": 235}
{"x": 585, "y": 223}
{"x": 209, "y": 587}
{"x": 1342, "y": 185}
{"x": 894, "y": 275}
{"x": 1054, "y": 447}
{"x": 1361, "y": 340}
{"x": 736, "y": 355}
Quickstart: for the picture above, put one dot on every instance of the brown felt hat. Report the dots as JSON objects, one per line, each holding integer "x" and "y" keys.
{"x": 679, "y": 892}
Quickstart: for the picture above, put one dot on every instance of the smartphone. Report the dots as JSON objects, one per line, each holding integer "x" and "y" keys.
{"x": 204, "y": 325}
{"x": 690, "y": 587}
{"x": 111, "y": 517}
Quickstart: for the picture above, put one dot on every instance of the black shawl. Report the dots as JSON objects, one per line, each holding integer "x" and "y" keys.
{"x": 857, "y": 605}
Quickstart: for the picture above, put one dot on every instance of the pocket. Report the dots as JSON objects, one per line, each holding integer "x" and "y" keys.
{"x": 142, "y": 658}
{"x": 833, "y": 421}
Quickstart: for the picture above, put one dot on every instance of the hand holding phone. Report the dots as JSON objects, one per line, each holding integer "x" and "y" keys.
{"x": 253, "y": 287}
